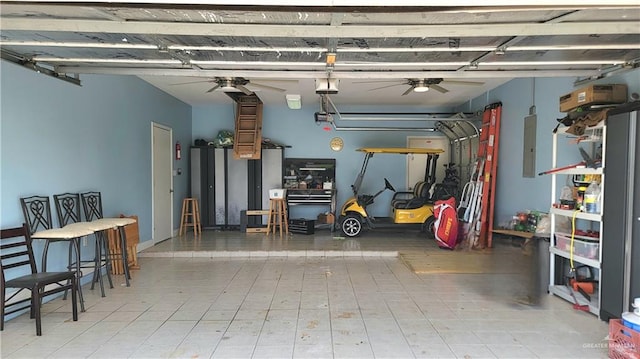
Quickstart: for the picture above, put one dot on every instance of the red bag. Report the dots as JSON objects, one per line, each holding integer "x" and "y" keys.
{"x": 445, "y": 227}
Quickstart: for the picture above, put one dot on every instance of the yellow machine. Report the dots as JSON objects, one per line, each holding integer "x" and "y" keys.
{"x": 409, "y": 209}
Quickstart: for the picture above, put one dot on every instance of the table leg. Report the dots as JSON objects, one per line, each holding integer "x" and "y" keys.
{"x": 76, "y": 245}
{"x": 125, "y": 264}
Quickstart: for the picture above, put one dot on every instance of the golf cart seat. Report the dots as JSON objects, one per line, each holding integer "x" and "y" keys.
{"x": 410, "y": 200}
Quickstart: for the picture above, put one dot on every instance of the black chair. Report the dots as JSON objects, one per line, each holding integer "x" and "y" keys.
{"x": 92, "y": 205}
{"x": 16, "y": 256}
{"x": 68, "y": 211}
{"x": 37, "y": 214}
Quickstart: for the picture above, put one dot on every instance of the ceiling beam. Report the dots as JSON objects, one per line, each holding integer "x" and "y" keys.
{"x": 317, "y": 31}
{"x": 476, "y": 74}
{"x": 371, "y": 5}
{"x": 506, "y": 47}
{"x": 26, "y": 63}
{"x": 516, "y": 39}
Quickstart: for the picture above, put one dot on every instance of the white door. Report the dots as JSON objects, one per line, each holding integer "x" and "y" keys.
{"x": 416, "y": 164}
{"x": 162, "y": 182}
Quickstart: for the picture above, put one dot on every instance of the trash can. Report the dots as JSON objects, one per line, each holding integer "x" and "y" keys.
{"x": 537, "y": 273}
{"x": 542, "y": 248}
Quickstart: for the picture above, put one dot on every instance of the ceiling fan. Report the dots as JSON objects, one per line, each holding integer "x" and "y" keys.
{"x": 424, "y": 85}
{"x": 235, "y": 84}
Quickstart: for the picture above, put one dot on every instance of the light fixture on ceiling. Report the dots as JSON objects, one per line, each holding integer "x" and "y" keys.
{"x": 420, "y": 87}
{"x": 228, "y": 86}
{"x": 331, "y": 58}
{"x": 294, "y": 102}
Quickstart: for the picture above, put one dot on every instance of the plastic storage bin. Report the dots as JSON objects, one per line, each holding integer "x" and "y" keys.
{"x": 624, "y": 342}
{"x": 582, "y": 246}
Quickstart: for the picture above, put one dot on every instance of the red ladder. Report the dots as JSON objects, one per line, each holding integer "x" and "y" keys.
{"x": 480, "y": 232}
{"x": 490, "y": 173}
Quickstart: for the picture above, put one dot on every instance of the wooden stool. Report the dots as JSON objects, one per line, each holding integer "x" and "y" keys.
{"x": 278, "y": 216}
{"x": 190, "y": 216}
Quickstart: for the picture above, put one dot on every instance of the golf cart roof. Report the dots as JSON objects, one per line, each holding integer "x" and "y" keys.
{"x": 401, "y": 150}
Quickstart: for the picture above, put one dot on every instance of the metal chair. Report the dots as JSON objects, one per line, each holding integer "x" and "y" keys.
{"x": 16, "y": 256}
{"x": 92, "y": 205}
{"x": 37, "y": 214}
{"x": 68, "y": 211}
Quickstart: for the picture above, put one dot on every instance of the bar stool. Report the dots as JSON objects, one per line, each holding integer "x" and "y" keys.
{"x": 37, "y": 215}
{"x": 190, "y": 216}
{"x": 120, "y": 223}
{"x": 68, "y": 211}
{"x": 278, "y": 216}
{"x": 92, "y": 204}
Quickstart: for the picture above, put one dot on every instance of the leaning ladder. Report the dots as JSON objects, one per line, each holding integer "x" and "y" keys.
{"x": 481, "y": 228}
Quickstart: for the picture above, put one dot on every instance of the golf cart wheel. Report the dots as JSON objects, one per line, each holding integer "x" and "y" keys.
{"x": 352, "y": 225}
{"x": 428, "y": 226}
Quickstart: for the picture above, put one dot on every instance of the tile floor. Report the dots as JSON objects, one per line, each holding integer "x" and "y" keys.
{"x": 231, "y": 295}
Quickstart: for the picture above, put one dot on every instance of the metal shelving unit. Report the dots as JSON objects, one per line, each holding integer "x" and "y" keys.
{"x": 559, "y": 257}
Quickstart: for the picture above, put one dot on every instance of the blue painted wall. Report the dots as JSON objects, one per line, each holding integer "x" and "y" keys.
{"x": 298, "y": 129}
{"x": 56, "y": 137}
{"x": 515, "y": 193}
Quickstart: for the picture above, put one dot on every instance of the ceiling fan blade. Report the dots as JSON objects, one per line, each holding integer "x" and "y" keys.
{"x": 267, "y": 87}
{"x": 214, "y": 88}
{"x": 244, "y": 89}
{"x": 384, "y": 87}
{"x": 193, "y": 82}
{"x": 409, "y": 90}
{"x": 458, "y": 82}
{"x": 438, "y": 88}
{"x": 282, "y": 81}
{"x": 375, "y": 81}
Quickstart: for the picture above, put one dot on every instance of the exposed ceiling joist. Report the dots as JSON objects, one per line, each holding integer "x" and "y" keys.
{"x": 379, "y": 5}
{"x": 326, "y": 31}
{"x": 320, "y": 74}
{"x": 504, "y": 47}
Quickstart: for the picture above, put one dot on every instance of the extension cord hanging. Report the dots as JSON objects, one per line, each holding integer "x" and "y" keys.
{"x": 573, "y": 234}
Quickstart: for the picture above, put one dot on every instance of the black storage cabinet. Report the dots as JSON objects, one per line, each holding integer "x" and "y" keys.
{"x": 225, "y": 186}
{"x": 621, "y": 213}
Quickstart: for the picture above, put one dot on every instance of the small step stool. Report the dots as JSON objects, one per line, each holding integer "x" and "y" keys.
{"x": 190, "y": 216}
{"x": 278, "y": 216}
{"x": 244, "y": 221}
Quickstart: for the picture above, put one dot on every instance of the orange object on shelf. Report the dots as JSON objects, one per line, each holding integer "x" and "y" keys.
{"x": 587, "y": 287}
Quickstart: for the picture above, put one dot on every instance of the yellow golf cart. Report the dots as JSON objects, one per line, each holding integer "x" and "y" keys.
{"x": 408, "y": 209}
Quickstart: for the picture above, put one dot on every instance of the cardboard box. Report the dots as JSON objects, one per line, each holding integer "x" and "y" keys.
{"x": 594, "y": 95}
{"x": 325, "y": 218}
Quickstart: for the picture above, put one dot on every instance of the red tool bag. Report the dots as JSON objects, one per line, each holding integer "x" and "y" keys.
{"x": 445, "y": 228}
